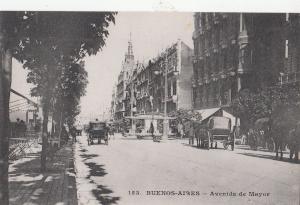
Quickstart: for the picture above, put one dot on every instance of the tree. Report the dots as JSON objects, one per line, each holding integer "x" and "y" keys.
{"x": 278, "y": 103}
{"x": 7, "y": 33}
{"x": 56, "y": 40}
{"x": 72, "y": 86}
{"x": 182, "y": 115}
{"x": 186, "y": 115}
{"x": 41, "y": 41}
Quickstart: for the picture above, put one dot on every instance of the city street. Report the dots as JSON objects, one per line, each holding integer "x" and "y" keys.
{"x": 231, "y": 78}
{"x": 131, "y": 171}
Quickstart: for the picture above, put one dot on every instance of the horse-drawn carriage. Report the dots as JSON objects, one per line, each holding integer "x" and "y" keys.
{"x": 216, "y": 130}
{"x": 97, "y": 130}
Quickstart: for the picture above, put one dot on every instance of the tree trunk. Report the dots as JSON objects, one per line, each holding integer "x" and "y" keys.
{"x": 5, "y": 83}
{"x": 44, "y": 135}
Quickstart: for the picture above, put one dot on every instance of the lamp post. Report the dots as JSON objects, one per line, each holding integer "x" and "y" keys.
{"x": 165, "y": 120}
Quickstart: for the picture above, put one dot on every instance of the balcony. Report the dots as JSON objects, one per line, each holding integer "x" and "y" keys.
{"x": 216, "y": 19}
{"x": 224, "y": 15}
{"x": 194, "y": 82}
{"x": 223, "y": 44}
{"x": 198, "y": 32}
{"x": 206, "y": 79}
{"x": 215, "y": 48}
{"x": 243, "y": 38}
{"x": 200, "y": 81}
{"x": 207, "y": 52}
{"x": 207, "y": 27}
{"x": 289, "y": 78}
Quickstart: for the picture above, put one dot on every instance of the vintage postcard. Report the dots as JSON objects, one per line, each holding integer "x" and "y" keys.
{"x": 159, "y": 104}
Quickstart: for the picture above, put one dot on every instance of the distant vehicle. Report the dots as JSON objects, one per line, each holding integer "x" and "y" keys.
{"x": 79, "y": 130}
{"x": 97, "y": 130}
{"x": 218, "y": 129}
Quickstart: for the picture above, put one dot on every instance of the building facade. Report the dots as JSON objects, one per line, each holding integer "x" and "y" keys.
{"x": 177, "y": 61}
{"x": 140, "y": 87}
{"x": 291, "y": 72}
{"x": 233, "y": 51}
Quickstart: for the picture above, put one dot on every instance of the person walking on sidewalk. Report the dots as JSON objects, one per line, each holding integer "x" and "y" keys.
{"x": 152, "y": 132}
{"x": 73, "y": 134}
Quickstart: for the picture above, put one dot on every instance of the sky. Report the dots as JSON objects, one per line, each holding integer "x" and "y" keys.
{"x": 151, "y": 33}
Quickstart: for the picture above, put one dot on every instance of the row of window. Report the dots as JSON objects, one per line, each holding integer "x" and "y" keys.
{"x": 218, "y": 62}
{"x": 214, "y": 94}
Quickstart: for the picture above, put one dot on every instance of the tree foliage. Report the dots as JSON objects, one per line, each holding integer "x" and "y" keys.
{"x": 47, "y": 44}
{"x": 183, "y": 115}
{"x": 279, "y": 103}
{"x": 70, "y": 90}
{"x": 50, "y": 46}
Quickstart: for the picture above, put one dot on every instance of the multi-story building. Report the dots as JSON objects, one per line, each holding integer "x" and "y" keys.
{"x": 141, "y": 91}
{"x": 177, "y": 60}
{"x": 123, "y": 80}
{"x": 113, "y": 103}
{"x": 291, "y": 72}
{"x": 233, "y": 51}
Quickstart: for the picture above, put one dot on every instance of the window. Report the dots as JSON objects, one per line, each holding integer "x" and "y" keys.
{"x": 169, "y": 89}
{"x": 195, "y": 95}
{"x": 174, "y": 87}
{"x": 286, "y": 48}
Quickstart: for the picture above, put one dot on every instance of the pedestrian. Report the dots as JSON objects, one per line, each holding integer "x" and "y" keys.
{"x": 191, "y": 133}
{"x": 180, "y": 130}
{"x": 73, "y": 134}
{"x": 17, "y": 128}
{"x": 22, "y": 127}
{"x": 111, "y": 132}
{"x": 152, "y": 131}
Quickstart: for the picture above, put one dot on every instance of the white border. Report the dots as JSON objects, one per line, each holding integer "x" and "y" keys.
{"x": 154, "y": 5}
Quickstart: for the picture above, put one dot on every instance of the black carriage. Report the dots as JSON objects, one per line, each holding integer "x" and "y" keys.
{"x": 97, "y": 131}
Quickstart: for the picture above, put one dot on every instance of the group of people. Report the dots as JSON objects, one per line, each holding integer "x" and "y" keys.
{"x": 19, "y": 129}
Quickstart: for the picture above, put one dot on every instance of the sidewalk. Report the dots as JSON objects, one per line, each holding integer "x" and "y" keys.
{"x": 57, "y": 186}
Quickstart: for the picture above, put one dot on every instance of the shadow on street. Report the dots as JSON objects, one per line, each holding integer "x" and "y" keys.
{"x": 265, "y": 156}
{"x": 55, "y": 186}
{"x": 102, "y": 193}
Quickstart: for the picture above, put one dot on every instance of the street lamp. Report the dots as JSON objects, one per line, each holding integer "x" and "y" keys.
{"x": 165, "y": 120}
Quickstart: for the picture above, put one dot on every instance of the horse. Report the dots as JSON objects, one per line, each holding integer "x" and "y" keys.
{"x": 201, "y": 135}
{"x": 275, "y": 131}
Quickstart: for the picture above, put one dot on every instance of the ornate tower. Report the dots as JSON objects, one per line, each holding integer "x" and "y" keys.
{"x": 128, "y": 64}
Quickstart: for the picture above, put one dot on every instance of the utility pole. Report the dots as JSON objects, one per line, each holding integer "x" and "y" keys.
{"x": 133, "y": 128}
{"x": 165, "y": 121}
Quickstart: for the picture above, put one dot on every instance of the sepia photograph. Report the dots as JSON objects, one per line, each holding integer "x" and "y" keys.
{"x": 158, "y": 106}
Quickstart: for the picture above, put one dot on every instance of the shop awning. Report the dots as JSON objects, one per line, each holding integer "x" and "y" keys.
{"x": 206, "y": 113}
